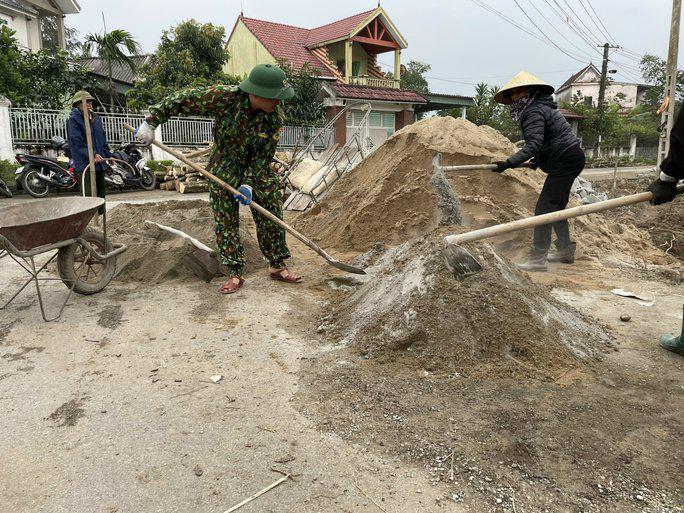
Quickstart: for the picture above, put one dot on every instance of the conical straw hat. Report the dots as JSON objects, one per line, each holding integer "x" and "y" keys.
{"x": 522, "y": 79}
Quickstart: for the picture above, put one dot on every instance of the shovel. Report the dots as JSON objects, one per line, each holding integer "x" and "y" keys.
{"x": 458, "y": 257}
{"x": 255, "y": 206}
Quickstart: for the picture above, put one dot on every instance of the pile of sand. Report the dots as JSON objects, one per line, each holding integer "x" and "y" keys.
{"x": 393, "y": 196}
{"x": 409, "y": 312}
{"x": 155, "y": 255}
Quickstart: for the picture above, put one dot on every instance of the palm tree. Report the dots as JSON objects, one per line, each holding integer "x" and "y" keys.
{"x": 110, "y": 46}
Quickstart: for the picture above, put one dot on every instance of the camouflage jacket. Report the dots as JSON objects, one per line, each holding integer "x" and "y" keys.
{"x": 244, "y": 141}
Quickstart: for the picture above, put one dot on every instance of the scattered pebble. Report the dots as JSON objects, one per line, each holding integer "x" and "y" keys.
{"x": 625, "y": 318}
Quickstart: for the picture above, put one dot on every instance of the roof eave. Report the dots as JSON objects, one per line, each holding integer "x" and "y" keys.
{"x": 401, "y": 41}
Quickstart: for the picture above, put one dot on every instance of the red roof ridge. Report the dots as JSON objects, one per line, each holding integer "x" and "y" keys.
{"x": 345, "y": 19}
{"x": 271, "y": 22}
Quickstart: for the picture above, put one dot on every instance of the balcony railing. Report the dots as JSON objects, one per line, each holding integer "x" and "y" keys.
{"x": 388, "y": 83}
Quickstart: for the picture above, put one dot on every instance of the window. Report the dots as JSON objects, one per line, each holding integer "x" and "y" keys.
{"x": 356, "y": 67}
{"x": 49, "y": 32}
{"x": 588, "y": 101}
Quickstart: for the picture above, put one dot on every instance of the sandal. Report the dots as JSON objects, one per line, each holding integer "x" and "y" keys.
{"x": 288, "y": 278}
{"x": 230, "y": 287}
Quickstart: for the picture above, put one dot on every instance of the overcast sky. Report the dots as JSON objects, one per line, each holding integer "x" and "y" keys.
{"x": 463, "y": 42}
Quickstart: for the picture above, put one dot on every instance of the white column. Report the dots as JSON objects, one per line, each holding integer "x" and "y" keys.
{"x": 158, "y": 153}
{"x": 632, "y": 146}
{"x": 6, "y": 148}
{"x": 463, "y": 112}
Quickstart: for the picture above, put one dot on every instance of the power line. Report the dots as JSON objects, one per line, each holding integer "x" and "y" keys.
{"x": 605, "y": 33}
{"x": 600, "y": 20}
{"x": 543, "y": 33}
{"x": 589, "y": 31}
{"x": 565, "y": 17}
{"x": 557, "y": 30}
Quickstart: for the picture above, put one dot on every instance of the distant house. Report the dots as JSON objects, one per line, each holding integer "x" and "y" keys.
{"x": 586, "y": 83}
{"x": 123, "y": 77}
{"x": 38, "y": 24}
{"x": 344, "y": 56}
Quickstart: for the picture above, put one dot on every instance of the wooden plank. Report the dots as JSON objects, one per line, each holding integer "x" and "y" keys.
{"x": 375, "y": 42}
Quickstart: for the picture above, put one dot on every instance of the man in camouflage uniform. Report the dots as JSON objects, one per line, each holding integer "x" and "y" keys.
{"x": 248, "y": 124}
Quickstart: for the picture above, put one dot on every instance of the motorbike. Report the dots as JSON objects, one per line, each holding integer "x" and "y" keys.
{"x": 38, "y": 173}
{"x": 4, "y": 190}
{"x": 128, "y": 163}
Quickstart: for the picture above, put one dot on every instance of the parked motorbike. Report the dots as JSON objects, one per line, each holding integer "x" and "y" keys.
{"x": 136, "y": 172}
{"x": 4, "y": 190}
{"x": 38, "y": 173}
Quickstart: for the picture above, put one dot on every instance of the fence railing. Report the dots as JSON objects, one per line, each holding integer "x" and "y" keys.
{"x": 38, "y": 126}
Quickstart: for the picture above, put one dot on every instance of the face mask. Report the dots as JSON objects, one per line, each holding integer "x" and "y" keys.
{"x": 519, "y": 105}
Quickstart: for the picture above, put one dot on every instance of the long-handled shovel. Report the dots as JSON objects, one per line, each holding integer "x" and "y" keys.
{"x": 335, "y": 263}
{"x": 456, "y": 255}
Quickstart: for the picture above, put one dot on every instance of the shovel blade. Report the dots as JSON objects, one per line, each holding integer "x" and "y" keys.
{"x": 460, "y": 262}
{"x": 345, "y": 267}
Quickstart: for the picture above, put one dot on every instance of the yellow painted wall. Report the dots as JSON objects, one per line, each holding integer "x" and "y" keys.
{"x": 336, "y": 51}
{"x": 245, "y": 52}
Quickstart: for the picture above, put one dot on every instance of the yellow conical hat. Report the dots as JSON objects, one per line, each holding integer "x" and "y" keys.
{"x": 522, "y": 79}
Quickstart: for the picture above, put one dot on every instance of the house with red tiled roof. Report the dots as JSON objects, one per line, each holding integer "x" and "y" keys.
{"x": 344, "y": 55}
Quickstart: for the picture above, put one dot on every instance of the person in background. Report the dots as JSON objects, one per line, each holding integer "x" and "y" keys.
{"x": 664, "y": 190}
{"x": 76, "y": 136}
{"x": 550, "y": 145}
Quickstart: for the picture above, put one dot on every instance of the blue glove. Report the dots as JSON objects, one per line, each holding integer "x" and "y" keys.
{"x": 245, "y": 196}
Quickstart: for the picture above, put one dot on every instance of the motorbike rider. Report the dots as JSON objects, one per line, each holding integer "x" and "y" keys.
{"x": 78, "y": 146}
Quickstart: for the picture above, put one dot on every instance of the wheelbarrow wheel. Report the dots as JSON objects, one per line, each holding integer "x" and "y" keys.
{"x": 87, "y": 274}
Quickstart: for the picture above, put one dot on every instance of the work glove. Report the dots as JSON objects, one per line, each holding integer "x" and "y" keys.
{"x": 144, "y": 134}
{"x": 501, "y": 166}
{"x": 245, "y": 196}
{"x": 662, "y": 191}
{"x": 533, "y": 163}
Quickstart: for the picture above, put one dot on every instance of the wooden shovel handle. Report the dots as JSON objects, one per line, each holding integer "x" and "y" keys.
{"x": 553, "y": 217}
{"x": 253, "y": 205}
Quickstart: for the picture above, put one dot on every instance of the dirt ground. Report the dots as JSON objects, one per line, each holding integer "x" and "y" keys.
{"x": 111, "y": 408}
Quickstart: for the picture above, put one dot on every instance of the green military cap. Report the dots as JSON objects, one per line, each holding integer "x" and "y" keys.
{"x": 80, "y": 96}
{"x": 267, "y": 81}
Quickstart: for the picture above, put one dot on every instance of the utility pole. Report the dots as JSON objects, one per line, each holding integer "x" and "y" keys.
{"x": 604, "y": 75}
{"x": 602, "y": 89}
{"x": 667, "y": 117}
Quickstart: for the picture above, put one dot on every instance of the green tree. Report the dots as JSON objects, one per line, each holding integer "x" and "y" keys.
{"x": 305, "y": 108}
{"x": 413, "y": 77}
{"x": 12, "y": 83}
{"x": 54, "y": 79}
{"x": 653, "y": 69}
{"x": 117, "y": 46}
{"x": 189, "y": 54}
{"x": 43, "y": 79}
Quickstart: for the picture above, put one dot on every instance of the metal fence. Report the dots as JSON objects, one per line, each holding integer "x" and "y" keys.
{"x": 38, "y": 126}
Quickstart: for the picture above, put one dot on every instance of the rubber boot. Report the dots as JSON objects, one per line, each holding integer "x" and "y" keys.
{"x": 672, "y": 343}
{"x": 564, "y": 255}
{"x": 536, "y": 261}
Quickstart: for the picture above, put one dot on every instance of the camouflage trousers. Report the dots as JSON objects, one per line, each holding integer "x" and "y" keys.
{"x": 271, "y": 237}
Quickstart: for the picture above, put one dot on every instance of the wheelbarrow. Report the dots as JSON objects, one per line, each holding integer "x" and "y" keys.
{"x": 86, "y": 260}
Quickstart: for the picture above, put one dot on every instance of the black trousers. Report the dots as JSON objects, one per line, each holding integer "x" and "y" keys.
{"x": 555, "y": 196}
{"x": 100, "y": 184}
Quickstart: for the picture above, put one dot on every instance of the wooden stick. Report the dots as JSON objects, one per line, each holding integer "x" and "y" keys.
{"x": 258, "y": 494}
{"x": 474, "y": 167}
{"x": 91, "y": 153}
{"x": 255, "y": 206}
{"x": 553, "y": 217}
{"x": 369, "y": 497}
{"x": 198, "y": 153}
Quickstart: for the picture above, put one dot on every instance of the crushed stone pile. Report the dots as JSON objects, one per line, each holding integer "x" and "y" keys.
{"x": 411, "y": 314}
{"x": 392, "y": 196}
{"x": 154, "y": 255}
{"x": 584, "y": 192}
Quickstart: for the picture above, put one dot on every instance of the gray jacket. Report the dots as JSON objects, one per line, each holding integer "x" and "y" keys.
{"x": 546, "y": 132}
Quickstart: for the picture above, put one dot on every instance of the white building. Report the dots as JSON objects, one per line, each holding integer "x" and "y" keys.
{"x": 586, "y": 83}
{"x": 38, "y": 23}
